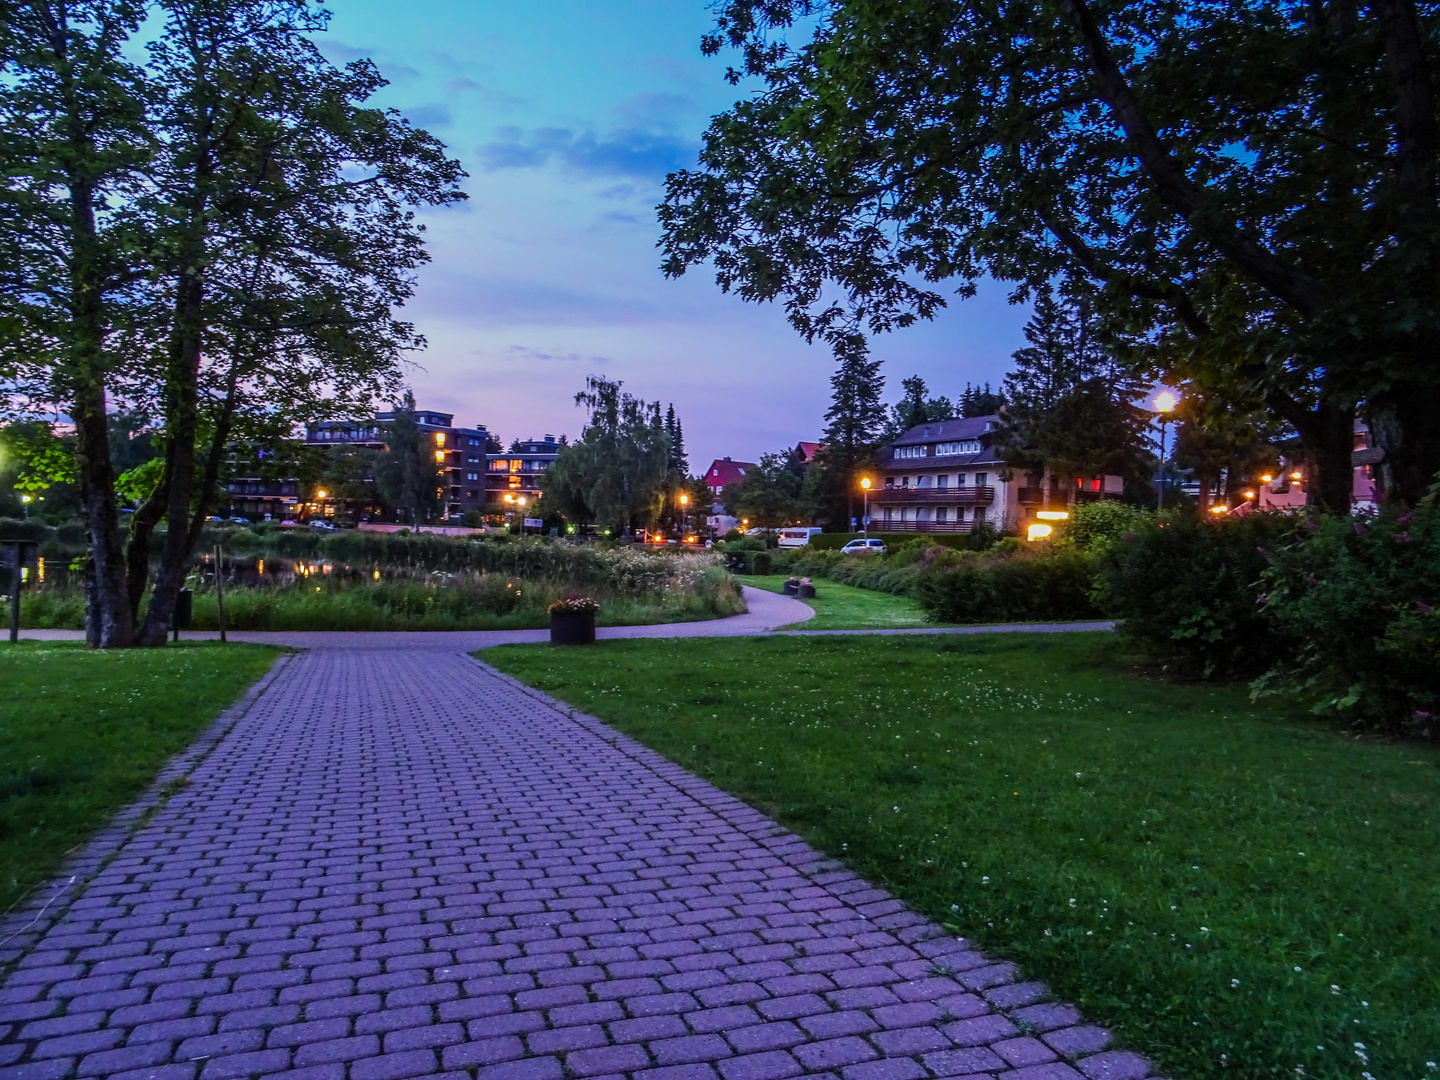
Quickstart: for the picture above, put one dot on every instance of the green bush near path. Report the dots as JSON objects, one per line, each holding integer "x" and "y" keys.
{"x": 83, "y": 733}
{"x": 1235, "y": 889}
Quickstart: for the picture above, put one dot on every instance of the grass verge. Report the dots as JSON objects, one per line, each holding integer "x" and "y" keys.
{"x": 82, "y": 733}
{"x": 1232, "y": 889}
{"x": 849, "y": 607}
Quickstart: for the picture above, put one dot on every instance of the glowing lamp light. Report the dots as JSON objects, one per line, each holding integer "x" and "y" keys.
{"x": 690, "y": 540}
{"x": 1295, "y": 476}
{"x": 521, "y": 500}
{"x": 1039, "y": 531}
{"x": 865, "y": 483}
{"x": 1266, "y": 478}
{"x": 1219, "y": 508}
{"x": 1249, "y": 494}
{"x": 375, "y": 574}
{"x": 1165, "y": 401}
{"x": 1052, "y": 515}
{"x": 684, "y": 500}
{"x": 321, "y": 493}
{"x": 27, "y": 498}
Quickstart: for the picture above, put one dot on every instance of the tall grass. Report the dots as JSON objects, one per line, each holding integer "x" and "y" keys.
{"x": 632, "y": 591}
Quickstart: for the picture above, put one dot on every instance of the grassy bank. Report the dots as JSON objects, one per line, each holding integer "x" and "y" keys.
{"x": 1234, "y": 890}
{"x": 848, "y": 607}
{"x": 82, "y": 733}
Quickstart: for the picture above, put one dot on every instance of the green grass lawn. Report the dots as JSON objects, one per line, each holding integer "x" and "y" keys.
{"x": 82, "y": 733}
{"x": 847, "y": 607}
{"x": 1235, "y": 891}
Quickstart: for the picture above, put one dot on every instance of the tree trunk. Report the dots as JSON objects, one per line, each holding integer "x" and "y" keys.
{"x": 1329, "y": 446}
{"x": 181, "y": 422}
{"x": 109, "y": 623}
{"x": 1405, "y": 424}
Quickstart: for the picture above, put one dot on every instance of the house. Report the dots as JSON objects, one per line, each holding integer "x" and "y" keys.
{"x": 948, "y": 476}
{"x": 515, "y": 474}
{"x": 724, "y": 471}
{"x": 804, "y": 453}
{"x": 1285, "y": 488}
{"x": 459, "y": 453}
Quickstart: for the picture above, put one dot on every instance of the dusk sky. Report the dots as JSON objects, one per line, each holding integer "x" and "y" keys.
{"x": 568, "y": 116}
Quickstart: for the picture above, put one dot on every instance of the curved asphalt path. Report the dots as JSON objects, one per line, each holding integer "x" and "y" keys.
{"x": 767, "y": 613}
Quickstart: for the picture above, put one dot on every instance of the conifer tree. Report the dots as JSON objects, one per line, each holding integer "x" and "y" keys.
{"x": 853, "y": 427}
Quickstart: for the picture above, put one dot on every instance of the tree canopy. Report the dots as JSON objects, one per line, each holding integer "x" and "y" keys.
{"x": 1267, "y": 216}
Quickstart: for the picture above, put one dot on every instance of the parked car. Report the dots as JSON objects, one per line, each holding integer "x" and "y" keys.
{"x": 863, "y": 547}
{"x": 319, "y": 523}
{"x": 288, "y": 524}
{"x": 796, "y": 537}
{"x": 239, "y": 521}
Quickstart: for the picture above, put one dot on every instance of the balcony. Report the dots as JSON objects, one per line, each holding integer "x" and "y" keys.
{"x": 1036, "y": 496}
{"x": 923, "y": 526}
{"x": 932, "y": 496}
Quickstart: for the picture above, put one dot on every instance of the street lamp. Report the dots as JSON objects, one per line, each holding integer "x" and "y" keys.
{"x": 25, "y": 505}
{"x": 865, "y": 510}
{"x": 1165, "y": 401}
{"x": 684, "y": 516}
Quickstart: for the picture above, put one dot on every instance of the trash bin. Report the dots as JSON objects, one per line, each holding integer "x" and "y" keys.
{"x": 184, "y": 607}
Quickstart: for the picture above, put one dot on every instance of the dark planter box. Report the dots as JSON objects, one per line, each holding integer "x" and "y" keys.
{"x": 790, "y": 587}
{"x": 575, "y": 628}
{"x": 806, "y": 592}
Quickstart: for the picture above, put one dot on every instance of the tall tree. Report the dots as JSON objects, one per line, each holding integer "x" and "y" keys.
{"x": 1069, "y": 410}
{"x": 854, "y": 425}
{"x": 916, "y": 407}
{"x": 1272, "y": 212}
{"x": 616, "y": 472}
{"x": 284, "y": 237}
{"x": 975, "y": 401}
{"x": 75, "y": 144}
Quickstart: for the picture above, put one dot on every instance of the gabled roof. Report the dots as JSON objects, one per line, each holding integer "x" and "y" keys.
{"x": 723, "y": 471}
{"x": 976, "y": 429}
{"x": 969, "y": 427}
{"x": 807, "y": 451}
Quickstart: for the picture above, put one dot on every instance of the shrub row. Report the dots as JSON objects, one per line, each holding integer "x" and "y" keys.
{"x": 1340, "y": 613}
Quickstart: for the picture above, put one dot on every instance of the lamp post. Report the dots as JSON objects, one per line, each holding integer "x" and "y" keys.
{"x": 865, "y": 507}
{"x": 25, "y": 505}
{"x": 1165, "y": 401}
{"x": 684, "y": 517}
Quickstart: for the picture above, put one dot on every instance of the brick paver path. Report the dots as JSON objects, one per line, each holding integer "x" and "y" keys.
{"x": 401, "y": 863}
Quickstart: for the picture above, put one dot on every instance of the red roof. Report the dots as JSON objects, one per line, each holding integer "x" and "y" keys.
{"x": 723, "y": 471}
{"x": 808, "y": 451}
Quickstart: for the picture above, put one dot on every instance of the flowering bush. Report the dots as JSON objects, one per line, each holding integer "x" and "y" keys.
{"x": 1358, "y": 599}
{"x": 573, "y": 604}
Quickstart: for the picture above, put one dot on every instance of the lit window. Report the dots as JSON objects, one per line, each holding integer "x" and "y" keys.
{"x": 516, "y": 466}
{"x": 439, "y": 455}
{"x": 964, "y": 446}
{"x": 439, "y": 438}
{"x": 909, "y": 451}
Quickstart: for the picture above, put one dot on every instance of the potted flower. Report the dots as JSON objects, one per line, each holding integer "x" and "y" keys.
{"x": 572, "y": 620}
{"x": 805, "y": 590}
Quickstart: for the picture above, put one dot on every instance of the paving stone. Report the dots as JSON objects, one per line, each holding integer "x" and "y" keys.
{"x": 398, "y": 863}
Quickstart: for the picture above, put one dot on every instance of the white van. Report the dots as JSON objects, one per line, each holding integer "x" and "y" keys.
{"x": 796, "y": 537}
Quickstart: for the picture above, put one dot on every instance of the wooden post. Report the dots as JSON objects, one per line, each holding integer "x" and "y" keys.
{"x": 13, "y": 557}
{"x": 219, "y": 593}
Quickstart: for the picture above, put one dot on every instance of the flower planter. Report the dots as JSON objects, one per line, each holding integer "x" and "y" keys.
{"x": 790, "y": 587}
{"x": 806, "y": 592}
{"x": 573, "y": 628}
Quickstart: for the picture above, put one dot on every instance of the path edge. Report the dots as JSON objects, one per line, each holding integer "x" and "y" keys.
{"x": 23, "y": 927}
